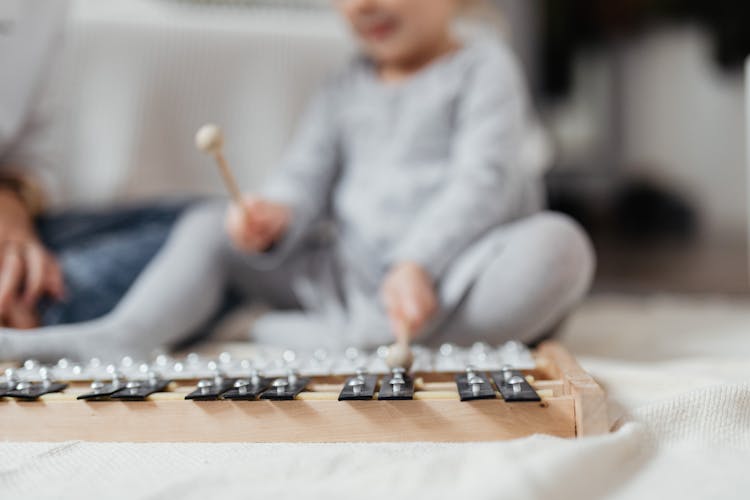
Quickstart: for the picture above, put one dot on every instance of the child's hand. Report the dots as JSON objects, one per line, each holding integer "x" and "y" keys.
{"x": 257, "y": 224}
{"x": 410, "y": 300}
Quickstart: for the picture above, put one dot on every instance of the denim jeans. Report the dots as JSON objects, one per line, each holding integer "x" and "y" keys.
{"x": 101, "y": 254}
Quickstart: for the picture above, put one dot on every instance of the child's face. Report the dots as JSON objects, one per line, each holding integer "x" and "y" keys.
{"x": 394, "y": 31}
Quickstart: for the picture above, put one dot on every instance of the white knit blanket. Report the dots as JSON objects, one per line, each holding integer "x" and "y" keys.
{"x": 675, "y": 372}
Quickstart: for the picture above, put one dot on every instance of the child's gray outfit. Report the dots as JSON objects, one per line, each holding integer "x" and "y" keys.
{"x": 427, "y": 171}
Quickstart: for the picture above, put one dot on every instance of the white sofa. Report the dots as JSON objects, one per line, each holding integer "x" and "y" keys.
{"x": 138, "y": 77}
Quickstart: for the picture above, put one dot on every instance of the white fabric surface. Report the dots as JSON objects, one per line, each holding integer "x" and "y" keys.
{"x": 675, "y": 370}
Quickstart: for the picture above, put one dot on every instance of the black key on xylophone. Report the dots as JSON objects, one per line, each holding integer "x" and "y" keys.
{"x": 285, "y": 389}
{"x": 101, "y": 391}
{"x": 472, "y": 386}
{"x": 34, "y": 390}
{"x": 361, "y": 387}
{"x": 139, "y": 390}
{"x": 211, "y": 389}
{"x": 397, "y": 387}
{"x": 248, "y": 389}
{"x": 513, "y": 386}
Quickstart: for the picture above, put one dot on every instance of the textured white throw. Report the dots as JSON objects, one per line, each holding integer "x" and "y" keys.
{"x": 674, "y": 370}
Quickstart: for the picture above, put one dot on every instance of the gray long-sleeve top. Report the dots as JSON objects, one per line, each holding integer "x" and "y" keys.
{"x": 415, "y": 171}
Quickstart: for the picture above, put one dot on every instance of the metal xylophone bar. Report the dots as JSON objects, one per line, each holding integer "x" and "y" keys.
{"x": 337, "y": 406}
{"x": 15, "y": 387}
{"x": 471, "y": 386}
{"x": 245, "y": 382}
{"x": 360, "y": 387}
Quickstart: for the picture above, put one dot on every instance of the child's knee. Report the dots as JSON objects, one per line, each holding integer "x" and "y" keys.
{"x": 203, "y": 223}
{"x": 567, "y": 253}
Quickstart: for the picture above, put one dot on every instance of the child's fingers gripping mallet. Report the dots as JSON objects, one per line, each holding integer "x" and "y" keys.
{"x": 210, "y": 139}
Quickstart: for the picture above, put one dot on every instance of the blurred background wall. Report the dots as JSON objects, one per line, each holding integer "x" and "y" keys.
{"x": 645, "y": 101}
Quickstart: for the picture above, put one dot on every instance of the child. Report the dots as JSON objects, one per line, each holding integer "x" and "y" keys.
{"x": 401, "y": 208}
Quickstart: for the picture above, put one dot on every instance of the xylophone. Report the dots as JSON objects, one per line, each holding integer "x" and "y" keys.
{"x": 451, "y": 394}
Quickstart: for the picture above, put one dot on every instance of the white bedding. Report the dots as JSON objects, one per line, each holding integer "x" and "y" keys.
{"x": 676, "y": 373}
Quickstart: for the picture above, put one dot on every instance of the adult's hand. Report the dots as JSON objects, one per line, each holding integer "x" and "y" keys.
{"x": 27, "y": 270}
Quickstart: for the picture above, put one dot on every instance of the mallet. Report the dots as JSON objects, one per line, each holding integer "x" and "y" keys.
{"x": 399, "y": 353}
{"x": 210, "y": 140}
{"x": 399, "y": 356}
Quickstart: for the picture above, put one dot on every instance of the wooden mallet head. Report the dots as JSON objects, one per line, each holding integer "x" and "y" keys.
{"x": 210, "y": 140}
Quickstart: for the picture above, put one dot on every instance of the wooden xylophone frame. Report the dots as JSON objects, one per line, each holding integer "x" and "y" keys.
{"x": 572, "y": 405}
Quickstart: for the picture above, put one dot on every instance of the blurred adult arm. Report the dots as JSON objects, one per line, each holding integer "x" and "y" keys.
{"x": 30, "y": 38}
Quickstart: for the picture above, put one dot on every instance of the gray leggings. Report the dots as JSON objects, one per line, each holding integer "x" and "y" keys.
{"x": 545, "y": 267}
